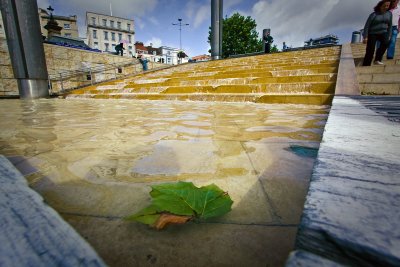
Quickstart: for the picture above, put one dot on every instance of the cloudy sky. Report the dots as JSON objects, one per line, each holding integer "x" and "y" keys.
{"x": 293, "y": 21}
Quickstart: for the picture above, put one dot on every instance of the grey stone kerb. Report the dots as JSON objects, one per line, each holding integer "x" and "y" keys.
{"x": 352, "y": 212}
{"x": 32, "y": 233}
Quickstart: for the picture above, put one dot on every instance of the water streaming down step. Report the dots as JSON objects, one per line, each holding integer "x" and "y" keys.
{"x": 134, "y": 137}
{"x": 299, "y": 77}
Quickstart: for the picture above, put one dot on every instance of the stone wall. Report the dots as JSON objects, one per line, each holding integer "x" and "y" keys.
{"x": 69, "y": 68}
{"x": 8, "y": 85}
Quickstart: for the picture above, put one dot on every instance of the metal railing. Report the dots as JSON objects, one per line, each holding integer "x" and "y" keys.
{"x": 63, "y": 81}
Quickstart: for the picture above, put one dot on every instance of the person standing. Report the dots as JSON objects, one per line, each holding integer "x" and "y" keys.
{"x": 268, "y": 41}
{"x": 377, "y": 28}
{"x": 284, "y": 47}
{"x": 395, "y": 9}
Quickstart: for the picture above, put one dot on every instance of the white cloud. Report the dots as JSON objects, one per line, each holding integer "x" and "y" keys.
{"x": 139, "y": 23}
{"x": 230, "y": 3}
{"x": 343, "y": 12}
{"x": 154, "y": 21}
{"x": 156, "y": 42}
{"x": 296, "y": 22}
{"x": 198, "y": 12}
{"x": 120, "y": 8}
{"x": 203, "y": 14}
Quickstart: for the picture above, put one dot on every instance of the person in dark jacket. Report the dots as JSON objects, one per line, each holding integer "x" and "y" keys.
{"x": 268, "y": 41}
{"x": 120, "y": 49}
{"x": 377, "y": 28}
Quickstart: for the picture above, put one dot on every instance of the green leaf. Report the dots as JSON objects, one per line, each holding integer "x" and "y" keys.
{"x": 172, "y": 204}
{"x": 148, "y": 215}
{"x": 185, "y": 199}
{"x": 216, "y": 203}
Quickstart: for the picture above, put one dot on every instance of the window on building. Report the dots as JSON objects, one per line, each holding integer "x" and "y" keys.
{"x": 107, "y": 46}
{"x": 104, "y": 22}
{"x": 113, "y": 47}
{"x": 67, "y": 35}
{"x": 93, "y": 20}
{"x": 96, "y": 45}
{"x": 119, "y": 24}
{"x": 105, "y": 35}
{"x": 67, "y": 26}
{"x": 94, "y": 34}
{"x": 113, "y": 36}
{"x": 119, "y": 37}
{"x": 128, "y": 27}
{"x": 111, "y": 23}
{"x": 130, "y": 38}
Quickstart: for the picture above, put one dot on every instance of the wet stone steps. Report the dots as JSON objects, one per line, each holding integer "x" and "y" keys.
{"x": 317, "y": 88}
{"x": 307, "y": 99}
{"x": 273, "y": 78}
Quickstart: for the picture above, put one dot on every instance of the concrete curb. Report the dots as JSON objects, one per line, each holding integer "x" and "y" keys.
{"x": 32, "y": 233}
{"x": 347, "y": 83}
{"x": 352, "y": 212}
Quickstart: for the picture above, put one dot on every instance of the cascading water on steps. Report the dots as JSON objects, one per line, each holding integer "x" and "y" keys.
{"x": 298, "y": 77}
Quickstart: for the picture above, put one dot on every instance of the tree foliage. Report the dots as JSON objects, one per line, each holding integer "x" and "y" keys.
{"x": 239, "y": 36}
{"x": 274, "y": 49}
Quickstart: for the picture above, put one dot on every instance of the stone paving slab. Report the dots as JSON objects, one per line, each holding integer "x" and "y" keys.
{"x": 205, "y": 244}
{"x": 32, "y": 233}
{"x": 352, "y": 212}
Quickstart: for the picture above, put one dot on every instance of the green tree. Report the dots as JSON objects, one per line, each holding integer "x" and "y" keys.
{"x": 239, "y": 36}
{"x": 274, "y": 49}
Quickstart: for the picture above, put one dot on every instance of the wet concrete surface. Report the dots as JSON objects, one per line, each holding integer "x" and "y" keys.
{"x": 94, "y": 161}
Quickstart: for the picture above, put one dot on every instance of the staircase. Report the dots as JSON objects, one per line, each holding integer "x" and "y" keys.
{"x": 377, "y": 79}
{"x": 299, "y": 77}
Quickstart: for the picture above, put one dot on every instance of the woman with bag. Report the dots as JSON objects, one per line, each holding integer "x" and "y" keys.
{"x": 377, "y": 28}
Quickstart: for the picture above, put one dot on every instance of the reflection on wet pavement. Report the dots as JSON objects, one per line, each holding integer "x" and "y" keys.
{"x": 97, "y": 158}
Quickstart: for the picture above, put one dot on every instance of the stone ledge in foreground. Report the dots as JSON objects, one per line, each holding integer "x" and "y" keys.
{"x": 32, "y": 233}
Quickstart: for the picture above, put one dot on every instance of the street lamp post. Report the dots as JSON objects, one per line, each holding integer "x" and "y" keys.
{"x": 180, "y": 24}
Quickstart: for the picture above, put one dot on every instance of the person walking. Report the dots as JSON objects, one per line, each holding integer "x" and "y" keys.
{"x": 377, "y": 28}
{"x": 395, "y": 9}
{"x": 143, "y": 61}
{"x": 120, "y": 49}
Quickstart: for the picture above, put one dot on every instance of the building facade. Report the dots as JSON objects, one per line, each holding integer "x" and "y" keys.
{"x": 163, "y": 54}
{"x": 201, "y": 58}
{"x": 69, "y": 24}
{"x": 169, "y": 55}
{"x": 329, "y": 39}
{"x": 105, "y": 32}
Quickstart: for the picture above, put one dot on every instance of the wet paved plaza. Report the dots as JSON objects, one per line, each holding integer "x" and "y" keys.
{"x": 93, "y": 161}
